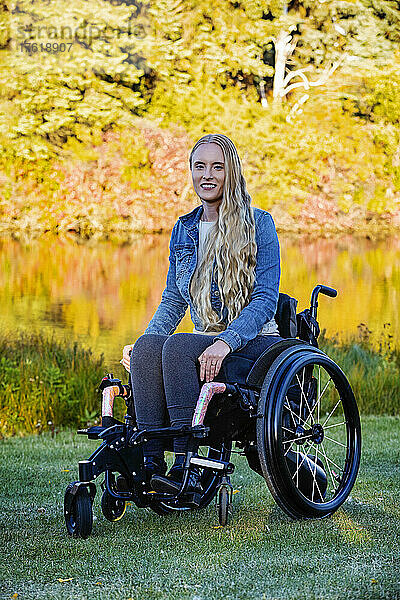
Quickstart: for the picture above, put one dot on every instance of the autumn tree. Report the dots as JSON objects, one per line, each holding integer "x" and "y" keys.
{"x": 73, "y": 70}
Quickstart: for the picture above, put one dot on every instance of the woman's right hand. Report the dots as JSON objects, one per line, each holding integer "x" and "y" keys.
{"x": 126, "y": 357}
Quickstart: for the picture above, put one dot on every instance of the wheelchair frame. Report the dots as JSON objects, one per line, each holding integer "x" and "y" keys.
{"x": 278, "y": 418}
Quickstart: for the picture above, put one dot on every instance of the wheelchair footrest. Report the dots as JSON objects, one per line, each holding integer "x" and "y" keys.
{"x": 211, "y": 463}
{"x": 93, "y": 433}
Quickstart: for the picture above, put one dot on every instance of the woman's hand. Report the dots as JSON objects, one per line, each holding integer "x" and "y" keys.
{"x": 211, "y": 360}
{"x": 126, "y": 357}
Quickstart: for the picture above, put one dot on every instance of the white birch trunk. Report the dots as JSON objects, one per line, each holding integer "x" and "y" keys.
{"x": 282, "y": 50}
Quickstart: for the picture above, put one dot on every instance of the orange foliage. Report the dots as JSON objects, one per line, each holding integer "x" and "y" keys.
{"x": 106, "y": 194}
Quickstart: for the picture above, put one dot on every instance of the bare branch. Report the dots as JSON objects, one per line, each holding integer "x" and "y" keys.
{"x": 264, "y": 101}
{"x": 307, "y": 84}
{"x": 297, "y": 72}
{"x": 296, "y": 108}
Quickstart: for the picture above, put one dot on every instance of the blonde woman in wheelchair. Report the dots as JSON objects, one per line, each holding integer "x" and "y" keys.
{"x": 224, "y": 265}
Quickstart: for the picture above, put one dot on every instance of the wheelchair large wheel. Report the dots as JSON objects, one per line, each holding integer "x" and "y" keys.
{"x": 308, "y": 433}
{"x": 209, "y": 481}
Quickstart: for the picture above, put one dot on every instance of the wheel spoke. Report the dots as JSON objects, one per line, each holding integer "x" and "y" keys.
{"x": 313, "y": 473}
{"x": 318, "y": 403}
{"x": 289, "y": 449}
{"x": 335, "y": 442}
{"x": 331, "y": 461}
{"x": 331, "y": 413}
{"x": 301, "y": 392}
{"x": 315, "y": 482}
{"x": 294, "y": 416}
{"x": 336, "y": 425}
{"x": 305, "y": 398}
{"x": 329, "y": 468}
{"x": 303, "y": 437}
{"x": 296, "y": 474}
{"x": 325, "y": 388}
{"x": 306, "y": 422}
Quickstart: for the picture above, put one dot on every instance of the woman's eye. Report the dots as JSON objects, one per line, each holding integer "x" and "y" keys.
{"x": 217, "y": 167}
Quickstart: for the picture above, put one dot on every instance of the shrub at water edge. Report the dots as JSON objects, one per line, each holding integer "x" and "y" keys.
{"x": 43, "y": 380}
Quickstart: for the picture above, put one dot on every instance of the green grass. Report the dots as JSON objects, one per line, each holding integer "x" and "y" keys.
{"x": 260, "y": 554}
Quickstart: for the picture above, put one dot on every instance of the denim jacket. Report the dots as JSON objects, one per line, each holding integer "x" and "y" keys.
{"x": 182, "y": 263}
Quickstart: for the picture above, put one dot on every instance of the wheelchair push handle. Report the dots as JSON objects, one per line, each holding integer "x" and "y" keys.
{"x": 320, "y": 289}
{"x": 327, "y": 291}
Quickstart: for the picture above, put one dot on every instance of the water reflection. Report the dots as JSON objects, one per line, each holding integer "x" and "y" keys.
{"x": 104, "y": 295}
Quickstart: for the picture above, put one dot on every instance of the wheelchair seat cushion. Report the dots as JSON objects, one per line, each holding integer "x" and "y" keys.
{"x": 259, "y": 369}
{"x": 237, "y": 365}
{"x": 235, "y": 369}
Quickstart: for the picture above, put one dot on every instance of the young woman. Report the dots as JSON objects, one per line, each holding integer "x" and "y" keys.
{"x": 224, "y": 264}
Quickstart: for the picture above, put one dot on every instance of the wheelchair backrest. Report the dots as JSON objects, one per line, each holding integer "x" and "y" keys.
{"x": 291, "y": 325}
{"x": 285, "y": 316}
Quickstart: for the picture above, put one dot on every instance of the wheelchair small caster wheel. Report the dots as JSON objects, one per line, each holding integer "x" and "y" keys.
{"x": 112, "y": 508}
{"x": 223, "y": 505}
{"x": 78, "y": 511}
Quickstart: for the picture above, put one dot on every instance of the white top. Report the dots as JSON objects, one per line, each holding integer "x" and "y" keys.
{"x": 270, "y": 327}
{"x": 204, "y": 228}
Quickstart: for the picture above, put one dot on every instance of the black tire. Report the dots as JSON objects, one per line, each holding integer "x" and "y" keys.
{"x": 112, "y": 508}
{"x": 209, "y": 482}
{"x": 223, "y": 506}
{"x": 308, "y": 433}
{"x": 78, "y": 512}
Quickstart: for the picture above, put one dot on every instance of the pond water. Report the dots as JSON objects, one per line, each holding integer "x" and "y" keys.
{"x": 103, "y": 295}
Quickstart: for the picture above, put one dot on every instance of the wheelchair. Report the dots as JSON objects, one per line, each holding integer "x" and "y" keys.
{"x": 293, "y": 416}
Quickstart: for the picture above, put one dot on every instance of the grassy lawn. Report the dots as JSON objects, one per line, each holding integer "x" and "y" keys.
{"x": 262, "y": 554}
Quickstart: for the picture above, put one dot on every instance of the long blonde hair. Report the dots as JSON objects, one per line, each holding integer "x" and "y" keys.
{"x": 231, "y": 242}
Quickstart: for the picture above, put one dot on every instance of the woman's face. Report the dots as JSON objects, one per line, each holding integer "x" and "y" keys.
{"x": 208, "y": 172}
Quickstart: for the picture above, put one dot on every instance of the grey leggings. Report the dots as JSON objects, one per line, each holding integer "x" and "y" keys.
{"x": 165, "y": 378}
